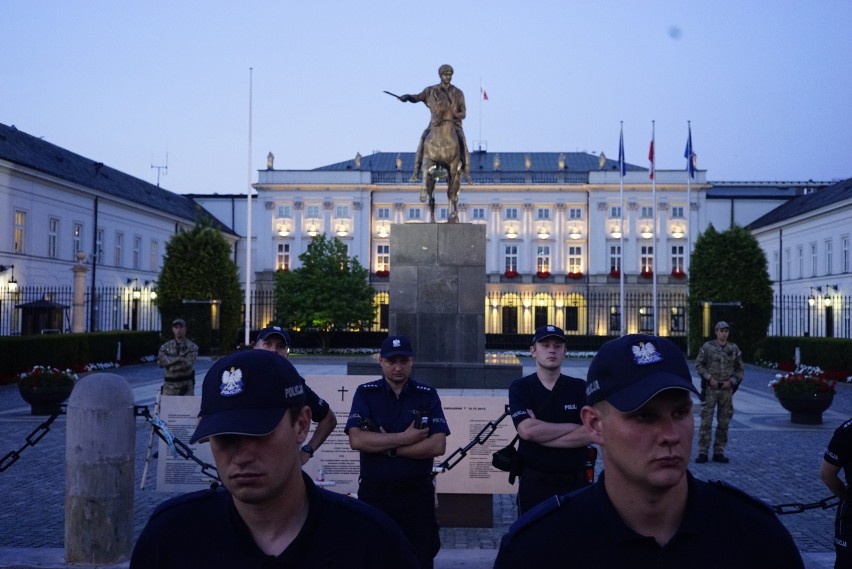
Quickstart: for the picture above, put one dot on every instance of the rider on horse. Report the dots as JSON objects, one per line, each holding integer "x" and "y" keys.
{"x": 438, "y": 98}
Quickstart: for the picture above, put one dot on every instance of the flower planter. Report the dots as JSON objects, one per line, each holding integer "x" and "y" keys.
{"x": 45, "y": 400}
{"x": 806, "y": 408}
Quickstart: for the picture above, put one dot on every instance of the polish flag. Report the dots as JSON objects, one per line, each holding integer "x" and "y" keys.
{"x": 651, "y": 158}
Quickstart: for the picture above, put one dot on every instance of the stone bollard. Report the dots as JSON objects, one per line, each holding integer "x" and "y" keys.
{"x": 100, "y": 449}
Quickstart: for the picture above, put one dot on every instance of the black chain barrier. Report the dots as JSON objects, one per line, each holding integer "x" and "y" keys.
{"x": 175, "y": 444}
{"x": 181, "y": 449}
{"x": 31, "y": 440}
{"x": 794, "y": 508}
{"x": 451, "y": 461}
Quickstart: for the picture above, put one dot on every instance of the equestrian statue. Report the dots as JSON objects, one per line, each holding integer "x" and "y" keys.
{"x": 442, "y": 152}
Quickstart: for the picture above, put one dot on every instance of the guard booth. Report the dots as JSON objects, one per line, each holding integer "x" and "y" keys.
{"x": 713, "y": 312}
{"x": 41, "y": 317}
{"x": 202, "y": 322}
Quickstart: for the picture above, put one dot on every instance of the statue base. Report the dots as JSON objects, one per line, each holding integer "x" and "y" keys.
{"x": 496, "y": 372}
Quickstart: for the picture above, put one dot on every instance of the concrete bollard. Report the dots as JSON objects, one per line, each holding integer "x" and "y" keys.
{"x": 100, "y": 449}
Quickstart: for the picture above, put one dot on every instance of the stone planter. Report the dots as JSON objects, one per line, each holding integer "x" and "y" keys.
{"x": 45, "y": 400}
{"x": 806, "y": 408}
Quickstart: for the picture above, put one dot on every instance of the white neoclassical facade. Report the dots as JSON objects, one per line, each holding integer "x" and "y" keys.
{"x": 562, "y": 229}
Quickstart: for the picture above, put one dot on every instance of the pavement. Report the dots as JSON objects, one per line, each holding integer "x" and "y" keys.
{"x": 771, "y": 458}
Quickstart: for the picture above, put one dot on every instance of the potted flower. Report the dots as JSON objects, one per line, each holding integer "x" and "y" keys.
{"x": 45, "y": 388}
{"x": 678, "y": 273}
{"x": 383, "y": 273}
{"x": 647, "y": 274}
{"x": 510, "y": 274}
{"x": 542, "y": 274}
{"x": 575, "y": 276}
{"x": 614, "y": 273}
{"x": 805, "y": 393}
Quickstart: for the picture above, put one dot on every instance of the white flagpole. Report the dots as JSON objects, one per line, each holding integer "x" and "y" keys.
{"x": 656, "y": 225}
{"x": 481, "y": 96}
{"x": 689, "y": 173}
{"x": 621, "y": 231}
{"x": 248, "y": 223}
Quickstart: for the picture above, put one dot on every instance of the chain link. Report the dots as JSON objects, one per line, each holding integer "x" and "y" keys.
{"x": 451, "y": 461}
{"x": 176, "y": 445}
{"x": 31, "y": 440}
{"x": 797, "y": 508}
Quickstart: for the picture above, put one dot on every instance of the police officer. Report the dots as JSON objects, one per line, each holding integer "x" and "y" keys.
{"x": 838, "y": 456}
{"x": 720, "y": 365}
{"x": 398, "y": 425}
{"x": 646, "y": 510}
{"x": 276, "y": 339}
{"x": 545, "y": 408}
{"x": 269, "y": 514}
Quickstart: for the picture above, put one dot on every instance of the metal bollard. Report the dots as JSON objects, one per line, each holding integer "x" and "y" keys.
{"x": 99, "y": 471}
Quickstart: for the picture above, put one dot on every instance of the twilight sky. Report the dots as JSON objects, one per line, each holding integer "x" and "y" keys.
{"x": 766, "y": 84}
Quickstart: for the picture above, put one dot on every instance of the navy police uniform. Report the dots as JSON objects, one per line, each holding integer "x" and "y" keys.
{"x": 400, "y": 487}
{"x": 839, "y": 453}
{"x": 721, "y": 527}
{"x": 548, "y": 471}
{"x": 319, "y": 406}
{"x": 204, "y": 529}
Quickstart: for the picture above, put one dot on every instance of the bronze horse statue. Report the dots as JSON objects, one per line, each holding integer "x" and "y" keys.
{"x": 442, "y": 160}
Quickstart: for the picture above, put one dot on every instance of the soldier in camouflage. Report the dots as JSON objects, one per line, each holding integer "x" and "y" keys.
{"x": 720, "y": 365}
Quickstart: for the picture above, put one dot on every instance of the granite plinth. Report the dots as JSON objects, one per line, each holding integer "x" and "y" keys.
{"x": 496, "y": 372}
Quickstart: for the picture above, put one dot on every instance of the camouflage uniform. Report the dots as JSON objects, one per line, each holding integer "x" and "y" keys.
{"x": 722, "y": 363}
{"x": 178, "y": 359}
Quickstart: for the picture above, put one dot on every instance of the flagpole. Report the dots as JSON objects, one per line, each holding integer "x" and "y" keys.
{"x": 621, "y": 172}
{"x": 689, "y": 174}
{"x": 481, "y": 96}
{"x": 653, "y": 158}
{"x": 248, "y": 222}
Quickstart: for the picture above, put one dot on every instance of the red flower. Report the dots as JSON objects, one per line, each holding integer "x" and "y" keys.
{"x": 510, "y": 274}
{"x": 575, "y": 276}
{"x": 614, "y": 273}
{"x": 383, "y": 273}
{"x": 542, "y": 274}
{"x": 647, "y": 274}
{"x": 678, "y": 274}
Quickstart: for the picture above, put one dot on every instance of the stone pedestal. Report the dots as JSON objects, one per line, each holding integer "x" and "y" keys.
{"x": 437, "y": 300}
{"x": 437, "y": 290}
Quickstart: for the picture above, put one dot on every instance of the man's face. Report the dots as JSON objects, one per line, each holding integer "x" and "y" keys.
{"x": 548, "y": 353}
{"x": 259, "y": 470}
{"x": 179, "y": 330}
{"x": 722, "y": 334}
{"x": 648, "y": 448}
{"x": 446, "y": 77}
{"x": 397, "y": 369}
{"x": 274, "y": 343}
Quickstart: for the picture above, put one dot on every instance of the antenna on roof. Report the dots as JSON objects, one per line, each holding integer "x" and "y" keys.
{"x": 164, "y": 169}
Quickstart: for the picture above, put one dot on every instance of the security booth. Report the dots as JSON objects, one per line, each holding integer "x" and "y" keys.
{"x": 41, "y": 317}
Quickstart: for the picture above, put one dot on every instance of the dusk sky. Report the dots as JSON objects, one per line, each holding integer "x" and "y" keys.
{"x": 766, "y": 84}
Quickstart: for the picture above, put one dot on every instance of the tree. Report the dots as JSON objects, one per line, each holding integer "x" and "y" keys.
{"x": 330, "y": 291}
{"x": 198, "y": 268}
{"x": 729, "y": 267}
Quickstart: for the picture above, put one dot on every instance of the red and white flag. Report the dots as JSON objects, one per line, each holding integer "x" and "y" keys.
{"x": 651, "y": 157}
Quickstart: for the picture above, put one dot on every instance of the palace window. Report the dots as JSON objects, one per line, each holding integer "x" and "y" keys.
{"x": 118, "y": 257}
{"x": 614, "y": 258}
{"x": 53, "y": 237}
{"x": 511, "y": 258}
{"x": 20, "y": 230}
{"x": 383, "y": 257}
{"x": 542, "y": 259}
{"x": 575, "y": 259}
{"x": 282, "y": 260}
{"x": 646, "y": 259}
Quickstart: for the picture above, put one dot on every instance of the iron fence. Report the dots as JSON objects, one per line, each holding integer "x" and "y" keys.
{"x": 592, "y": 314}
